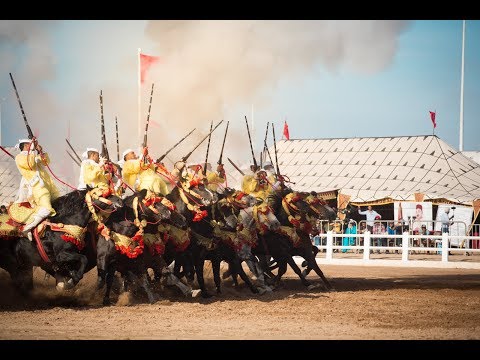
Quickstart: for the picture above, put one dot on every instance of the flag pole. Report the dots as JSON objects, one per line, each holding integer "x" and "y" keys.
{"x": 461, "y": 88}
{"x": 139, "y": 98}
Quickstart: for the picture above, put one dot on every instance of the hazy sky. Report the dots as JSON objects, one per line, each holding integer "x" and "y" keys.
{"x": 326, "y": 78}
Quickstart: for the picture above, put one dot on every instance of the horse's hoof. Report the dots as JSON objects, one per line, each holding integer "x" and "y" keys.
{"x": 195, "y": 293}
{"x": 304, "y": 263}
{"x": 106, "y": 302}
{"x": 255, "y": 290}
{"x": 60, "y": 286}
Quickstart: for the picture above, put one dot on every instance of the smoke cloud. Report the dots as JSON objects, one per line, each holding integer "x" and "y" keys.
{"x": 209, "y": 70}
{"x": 208, "y": 64}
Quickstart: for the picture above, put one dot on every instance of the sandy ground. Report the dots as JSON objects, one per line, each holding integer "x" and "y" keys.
{"x": 369, "y": 303}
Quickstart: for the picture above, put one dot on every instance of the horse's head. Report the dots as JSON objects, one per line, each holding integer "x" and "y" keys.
{"x": 102, "y": 200}
{"x": 197, "y": 193}
{"x": 296, "y": 203}
{"x": 265, "y": 218}
{"x": 152, "y": 208}
{"x": 319, "y": 208}
{"x": 178, "y": 220}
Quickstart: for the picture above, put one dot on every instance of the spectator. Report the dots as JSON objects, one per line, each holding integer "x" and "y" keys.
{"x": 446, "y": 220}
{"x": 379, "y": 229}
{"x": 371, "y": 215}
{"x": 349, "y": 241}
{"x": 392, "y": 230}
{"x": 3, "y": 210}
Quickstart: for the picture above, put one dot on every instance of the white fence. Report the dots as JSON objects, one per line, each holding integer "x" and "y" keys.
{"x": 467, "y": 257}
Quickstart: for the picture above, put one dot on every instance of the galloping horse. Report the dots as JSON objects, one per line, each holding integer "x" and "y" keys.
{"x": 59, "y": 240}
{"x": 294, "y": 213}
{"x": 120, "y": 246}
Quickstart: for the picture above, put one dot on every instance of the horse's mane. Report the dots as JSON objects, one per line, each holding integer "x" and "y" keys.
{"x": 128, "y": 201}
{"x": 70, "y": 203}
{"x": 275, "y": 198}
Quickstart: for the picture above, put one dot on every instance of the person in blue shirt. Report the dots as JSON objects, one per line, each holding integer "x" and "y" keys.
{"x": 349, "y": 241}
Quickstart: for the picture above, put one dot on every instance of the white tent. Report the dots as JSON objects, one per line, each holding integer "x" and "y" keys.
{"x": 375, "y": 168}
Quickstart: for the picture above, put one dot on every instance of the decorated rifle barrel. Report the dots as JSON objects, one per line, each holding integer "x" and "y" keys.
{"x": 208, "y": 149}
{"x": 30, "y": 133}
{"x": 251, "y": 146}
{"x": 223, "y": 144}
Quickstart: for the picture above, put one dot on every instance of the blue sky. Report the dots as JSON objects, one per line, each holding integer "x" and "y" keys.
{"x": 78, "y": 58}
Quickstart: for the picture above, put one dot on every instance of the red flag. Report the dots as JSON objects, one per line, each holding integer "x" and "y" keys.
{"x": 145, "y": 62}
{"x": 285, "y": 131}
{"x": 432, "y": 116}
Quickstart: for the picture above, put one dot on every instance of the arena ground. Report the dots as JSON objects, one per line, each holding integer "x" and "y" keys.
{"x": 369, "y": 303}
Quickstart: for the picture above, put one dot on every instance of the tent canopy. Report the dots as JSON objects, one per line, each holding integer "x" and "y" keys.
{"x": 374, "y": 168}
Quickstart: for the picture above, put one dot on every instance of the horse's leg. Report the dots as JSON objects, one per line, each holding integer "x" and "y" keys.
{"x": 216, "y": 260}
{"x": 238, "y": 269}
{"x": 312, "y": 263}
{"x": 109, "y": 277}
{"x": 106, "y": 257}
{"x": 64, "y": 257}
{"x": 297, "y": 271}
{"x": 199, "y": 264}
{"x": 145, "y": 285}
{"x": 22, "y": 278}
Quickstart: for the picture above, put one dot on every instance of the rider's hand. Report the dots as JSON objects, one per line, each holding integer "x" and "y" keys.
{"x": 102, "y": 161}
{"x": 179, "y": 165}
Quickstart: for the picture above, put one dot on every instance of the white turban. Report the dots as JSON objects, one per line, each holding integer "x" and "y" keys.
{"x": 126, "y": 152}
{"x": 85, "y": 154}
{"x": 21, "y": 141}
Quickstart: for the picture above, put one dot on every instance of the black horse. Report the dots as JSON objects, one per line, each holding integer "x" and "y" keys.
{"x": 58, "y": 250}
{"x": 294, "y": 213}
{"x": 121, "y": 247}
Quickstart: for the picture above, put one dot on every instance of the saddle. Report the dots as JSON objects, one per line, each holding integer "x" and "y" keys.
{"x": 20, "y": 213}
{"x": 8, "y": 227}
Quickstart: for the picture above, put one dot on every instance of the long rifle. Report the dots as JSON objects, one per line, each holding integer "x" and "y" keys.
{"x": 219, "y": 162}
{"x": 174, "y": 146}
{"x": 71, "y": 147}
{"x": 236, "y": 167}
{"x": 118, "y": 145}
{"x": 251, "y": 146}
{"x": 73, "y": 158}
{"x": 185, "y": 158}
{"x": 104, "y": 138}
{"x": 275, "y": 147}
{"x": 264, "y": 147}
{"x": 30, "y": 133}
{"x": 204, "y": 171}
{"x": 148, "y": 118}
